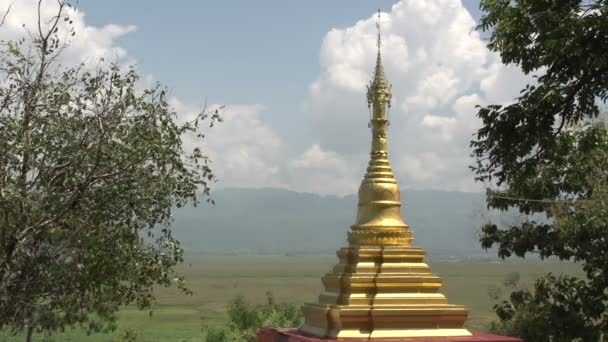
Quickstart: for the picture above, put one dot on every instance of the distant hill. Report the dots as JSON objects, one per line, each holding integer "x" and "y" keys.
{"x": 273, "y": 221}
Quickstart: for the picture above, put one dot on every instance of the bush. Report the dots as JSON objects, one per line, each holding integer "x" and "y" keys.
{"x": 245, "y": 319}
{"x": 550, "y": 312}
{"x": 128, "y": 335}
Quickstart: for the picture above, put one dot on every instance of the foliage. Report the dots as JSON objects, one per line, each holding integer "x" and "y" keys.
{"x": 563, "y": 41}
{"x": 128, "y": 335}
{"x": 244, "y": 320}
{"x": 547, "y": 153}
{"x": 526, "y": 311}
{"x": 91, "y": 169}
{"x": 553, "y": 311}
{"x": 511, "y": 281}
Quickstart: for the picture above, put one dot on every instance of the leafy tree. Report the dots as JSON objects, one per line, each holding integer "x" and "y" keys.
{"x": 546, "y": 153}
{"x": 244, "y": 320}
{"x": 91, "y": 168}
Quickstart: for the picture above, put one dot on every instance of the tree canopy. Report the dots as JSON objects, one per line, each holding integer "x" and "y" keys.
{"x": 547, "y": 153}
{"x": 91, "y": 168}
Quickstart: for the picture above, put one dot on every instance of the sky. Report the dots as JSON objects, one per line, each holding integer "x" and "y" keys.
{"x": 292, "y": 78}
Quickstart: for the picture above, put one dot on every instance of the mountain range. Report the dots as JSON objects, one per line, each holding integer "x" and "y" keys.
{"x": 276, "y": 221}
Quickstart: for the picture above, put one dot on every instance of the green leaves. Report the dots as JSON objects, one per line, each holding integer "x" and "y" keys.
{"x": 91, "y": 169}
{"x": 560, "y": 42}
{"x": 546, "y": 155}
{"x": 554, "y": 310}
{"x": 245, "y": 319}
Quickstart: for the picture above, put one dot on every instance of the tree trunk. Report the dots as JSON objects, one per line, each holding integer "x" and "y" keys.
{"x": 30, "y": 332}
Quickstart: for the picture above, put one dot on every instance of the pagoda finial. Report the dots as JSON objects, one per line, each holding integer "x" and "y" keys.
{"x": 379, "y": 91}
{"x": 379, "y": 34}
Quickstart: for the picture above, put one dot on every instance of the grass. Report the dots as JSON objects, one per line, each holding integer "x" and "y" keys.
{"x": 215, "y": 280}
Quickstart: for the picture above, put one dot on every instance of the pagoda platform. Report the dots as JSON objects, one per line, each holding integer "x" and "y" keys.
{"x": 293, "y": 335}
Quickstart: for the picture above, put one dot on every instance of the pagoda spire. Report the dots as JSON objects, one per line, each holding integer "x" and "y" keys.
{"x": 379, "y": 91}
{"x": 381, "y": 286}
{"x": 379, "y": 220}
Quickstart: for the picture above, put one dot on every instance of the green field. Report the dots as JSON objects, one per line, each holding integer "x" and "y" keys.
{"x": 216, "y": 280}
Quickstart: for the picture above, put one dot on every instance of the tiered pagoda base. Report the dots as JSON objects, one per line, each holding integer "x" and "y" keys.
{"x": 380, "y": 292}
{"x": 293, "y": 335}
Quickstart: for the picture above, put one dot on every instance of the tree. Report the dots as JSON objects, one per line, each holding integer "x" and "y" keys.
{"x": 91, "y": 169}
{"x": 546, "y": 154}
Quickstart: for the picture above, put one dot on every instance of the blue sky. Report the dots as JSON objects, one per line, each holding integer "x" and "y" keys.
{"x": 235, "y": 51}
{"x": 232, "y": 51}
{"x": 292, "y": 76}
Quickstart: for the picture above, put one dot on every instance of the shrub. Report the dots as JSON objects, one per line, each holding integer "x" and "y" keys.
{"x": 245, "y": 319}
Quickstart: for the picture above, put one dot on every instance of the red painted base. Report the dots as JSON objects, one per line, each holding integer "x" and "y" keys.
{"x": 292, "y": 335}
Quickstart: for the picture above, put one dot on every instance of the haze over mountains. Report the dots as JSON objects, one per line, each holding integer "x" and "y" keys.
{"x": 274, "y": 221}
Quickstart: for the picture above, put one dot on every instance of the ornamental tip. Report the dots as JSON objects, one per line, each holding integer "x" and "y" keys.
{"x": 378, "y": 89}
{"x": 379, "y": 43}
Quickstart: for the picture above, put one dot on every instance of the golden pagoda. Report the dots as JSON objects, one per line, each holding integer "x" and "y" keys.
{"x": 381, "y": 286}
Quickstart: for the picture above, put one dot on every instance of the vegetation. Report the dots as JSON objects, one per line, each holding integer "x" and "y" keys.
{"x": 244, "y": 320}
{"x": 217, "y": 280}
{"x": 547, "y": 154}
{"x": 90, "y": 171}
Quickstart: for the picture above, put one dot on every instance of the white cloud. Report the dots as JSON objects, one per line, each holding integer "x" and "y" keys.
{"x": 324, "y": 172}
{"x": 441, "y": 126}
{"x": 438, "y": 121}
{"x": 243, "y": 150}
{"x": 421, "y": 167}
{"x": 440, "y": 69}
{"x": 90, "y": 42}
